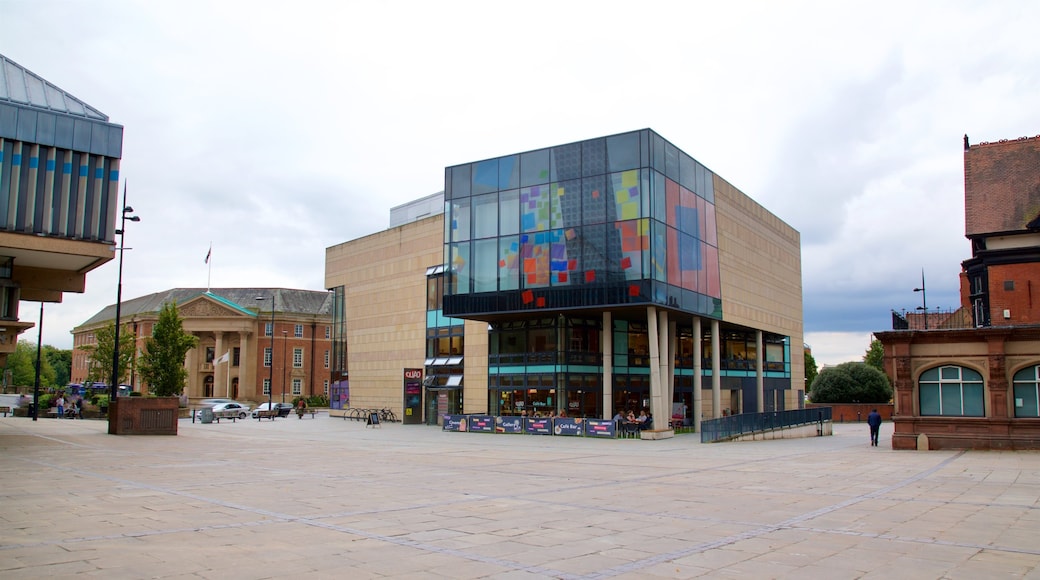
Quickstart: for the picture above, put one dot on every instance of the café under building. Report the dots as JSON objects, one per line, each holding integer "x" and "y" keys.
{"x": 608, "y": 274}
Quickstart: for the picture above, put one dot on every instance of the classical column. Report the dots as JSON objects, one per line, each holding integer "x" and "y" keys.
{"x": 194, "y": 389}
{"x": 698, "y": 353}
{"x": 716, "y": 378}
{"x": 759, "y": 377}
{"x": 607, "y": 340}
{"x": 220, "y": 370}
{"x": 246, "y": 371}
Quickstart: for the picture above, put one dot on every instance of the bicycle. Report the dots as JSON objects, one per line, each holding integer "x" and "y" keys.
{"x": 387, "y": 415}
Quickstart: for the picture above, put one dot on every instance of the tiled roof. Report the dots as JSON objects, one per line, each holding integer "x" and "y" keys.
{"x": 1002, "y": 186}
{"x": 286, "y": 300}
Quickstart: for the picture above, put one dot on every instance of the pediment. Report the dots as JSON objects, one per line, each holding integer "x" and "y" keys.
{"x": 205, "y": 307}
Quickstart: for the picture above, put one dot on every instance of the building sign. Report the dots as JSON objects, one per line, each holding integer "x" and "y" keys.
{"x": 454, "y": 423}
{"x": 412, "y": 397}
{"x": 539, "y": 426}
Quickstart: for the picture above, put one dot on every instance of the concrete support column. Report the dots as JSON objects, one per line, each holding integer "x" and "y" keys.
{"x": 716, "y": 377}
{"x": 698, "y": 354}
{"x": 607, "y": 340}
{"x": 246, "y": 371}
{"x": 220, "y": 370}
{"x": 759, "y": 377}
{"x": 657, "y": 404}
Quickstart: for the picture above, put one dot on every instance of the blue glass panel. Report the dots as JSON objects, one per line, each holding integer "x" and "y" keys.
{"x": 974, "y": 400}
{"x": 485, "y": 265}
{"x": 593, "y": 157}
{"x": 593, "y": 261}
{"x": 970, "y": 375}
{"x": 593, "y": 200}
{"x": 931, "y": 374}
{"x": 485, "y": 216}
{"x": 1027, "y": 401}
{"x": 509, "y": 212}
{"x": 460, "y": 186}
{"x": 950, "y": 373}
{"x": 951, "y": 400}
{"x": 534, "y": 168}
{"x": 485, "y": 176}
{"x": 623, "y": 152}
{"x": 566, "y": 162}
{"x": 509, "y": 172}
{"x": 929, "y": 395}
{"x": 687, "y": 172}
{"x": 460, "y": 220}
{"x": 509, "y": 262}
{"x": 461, "y": 267}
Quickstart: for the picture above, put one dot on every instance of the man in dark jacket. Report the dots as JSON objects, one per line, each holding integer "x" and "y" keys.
{"x": 874, "y": 420}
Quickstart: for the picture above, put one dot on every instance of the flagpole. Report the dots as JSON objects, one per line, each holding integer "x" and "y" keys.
{"x": 209, "y": 269}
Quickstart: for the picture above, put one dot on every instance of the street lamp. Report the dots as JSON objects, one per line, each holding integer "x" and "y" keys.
{"x": 270, "y": 369}
{"x": 285, "y": 339}
{"x": 924, "y": 300}
{"x": 124, "y": 216}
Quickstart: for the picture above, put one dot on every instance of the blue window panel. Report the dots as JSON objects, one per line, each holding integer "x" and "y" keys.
{"x": 485, "y": 176}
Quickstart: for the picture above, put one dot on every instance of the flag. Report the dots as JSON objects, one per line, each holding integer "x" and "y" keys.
{"x": 223, "y": 359}
{"x": 209, "y": 253}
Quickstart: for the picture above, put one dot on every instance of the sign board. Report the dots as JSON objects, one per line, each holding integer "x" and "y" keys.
{"x": 511, "y": 424}
{"x": 454, "y": 423}
{"x": 539, "y": 425}
{"x": 600, "y": 428}
{"x": 481, "y": 424}
{"x": 568, "y": 426}
{"x": 412, "y": 396}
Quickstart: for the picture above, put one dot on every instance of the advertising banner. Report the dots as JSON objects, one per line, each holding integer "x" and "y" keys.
{"x": 600, "y": 428}
{"x": 454, "y": 423}
{"x": 512, "y": 424}
{"x": 481, "y": 423}
{"x": 567, "y": 426}
{"x": 539, "y": 425}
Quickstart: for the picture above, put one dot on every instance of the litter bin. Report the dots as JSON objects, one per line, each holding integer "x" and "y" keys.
{"x": 206, "y": 415}
{"x": 32, "y": 410}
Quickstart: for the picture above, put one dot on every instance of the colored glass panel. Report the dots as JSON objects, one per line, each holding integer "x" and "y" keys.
{"x": 509, "y": 263}
{"x": 485, "y": 176}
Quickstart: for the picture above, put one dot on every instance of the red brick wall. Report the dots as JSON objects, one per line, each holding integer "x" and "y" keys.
{"x": 853, "y": 412}
{"x": 1023, "y": 302}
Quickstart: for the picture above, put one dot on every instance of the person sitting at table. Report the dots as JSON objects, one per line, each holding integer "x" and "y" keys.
{"x": 630, "y": 417}
{"x": 644, "y": 420}
{"x": 618, "y": 417}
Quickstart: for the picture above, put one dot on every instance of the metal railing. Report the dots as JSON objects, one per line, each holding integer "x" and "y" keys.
{"x": 732, "y": 426}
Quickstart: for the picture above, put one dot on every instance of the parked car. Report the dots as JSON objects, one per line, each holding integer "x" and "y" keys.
{"x": 232, "y": 409}
{"x": 211, "y": 402}
{"x": 283, "y": 408}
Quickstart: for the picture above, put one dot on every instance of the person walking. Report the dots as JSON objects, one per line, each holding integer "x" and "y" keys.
{"x": 60, "y": 404}
{"x": 874, "y": 420}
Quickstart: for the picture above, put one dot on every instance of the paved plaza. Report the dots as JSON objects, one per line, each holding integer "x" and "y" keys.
{"x": 329, "y": 498}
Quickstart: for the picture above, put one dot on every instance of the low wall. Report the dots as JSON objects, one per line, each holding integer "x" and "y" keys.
{"x": 143, "y": 416}
{"x": 797, "y": 432}
{"x": 934, "y": 433}
{"x": 855, "y": 412}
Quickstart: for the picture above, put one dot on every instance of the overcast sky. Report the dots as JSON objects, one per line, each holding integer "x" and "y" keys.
{"x": 274, "y": 130}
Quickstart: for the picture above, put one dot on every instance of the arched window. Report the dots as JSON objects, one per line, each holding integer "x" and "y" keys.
{"x": 952, "y": 391}
{"x": 1027, "y": 392}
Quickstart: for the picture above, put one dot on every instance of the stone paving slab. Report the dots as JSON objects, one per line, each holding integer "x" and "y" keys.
{"x": 330, "y": 498}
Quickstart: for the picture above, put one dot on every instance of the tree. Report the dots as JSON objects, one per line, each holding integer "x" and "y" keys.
{"x": 810, "y": 370}
{"x": 61, "y": 361}
{"x": 99, "y": 354}
{"x": 851, "y": 382}
{"x": 162, "y": 362}
{"x": 875, "y": 355}
{"x": 22, "y": 365}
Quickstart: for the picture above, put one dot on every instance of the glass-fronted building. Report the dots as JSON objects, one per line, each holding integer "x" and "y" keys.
{"x": 609, "y": 274}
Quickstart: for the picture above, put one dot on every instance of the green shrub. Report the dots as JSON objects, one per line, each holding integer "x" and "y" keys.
{"x": 851, "y": 382}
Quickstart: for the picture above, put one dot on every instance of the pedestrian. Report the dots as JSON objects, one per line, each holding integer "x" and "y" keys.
{"x": 874, "y": 420}
{"x": 301, "y": 405}
{"x": 60, "y": 404}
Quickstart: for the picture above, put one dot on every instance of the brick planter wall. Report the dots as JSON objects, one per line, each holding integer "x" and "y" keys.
{"x": 143, "y": 416}
{"x": 855, "y": 412}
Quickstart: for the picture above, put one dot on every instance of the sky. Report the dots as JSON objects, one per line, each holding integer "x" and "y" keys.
{"x": 271, "y": 131}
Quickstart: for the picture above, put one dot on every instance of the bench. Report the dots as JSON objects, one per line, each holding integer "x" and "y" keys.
{"x": 266, "y": 414}
{"x": 52, "y": 412}
{"x": 5, "y": 410}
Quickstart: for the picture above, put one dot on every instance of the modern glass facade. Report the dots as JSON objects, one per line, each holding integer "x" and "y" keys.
{"x": 616, "y": 221}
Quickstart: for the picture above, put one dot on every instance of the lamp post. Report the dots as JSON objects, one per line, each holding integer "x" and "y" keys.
{"x": 924, "y": 300}
{"x": 36, "y": 385}
{"x": 285, "y": 339}
{"x": 124, "y": 216}
{"x": 270, "y": 369}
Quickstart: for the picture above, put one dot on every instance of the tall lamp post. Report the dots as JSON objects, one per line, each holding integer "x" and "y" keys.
{"x": 924, "y": 300}
{"x": 125, "y": 215}
{"x": 270, "y": 369}
{"x": 285, "y": 339}
{"x": 39, "y": 361}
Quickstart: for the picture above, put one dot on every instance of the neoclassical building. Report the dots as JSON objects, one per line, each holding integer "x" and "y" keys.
{"x": 972, "y": 379}
{"x": 276, "y": 340}
{"x": 612, "y": 273}
{"x": 59, "y": 186}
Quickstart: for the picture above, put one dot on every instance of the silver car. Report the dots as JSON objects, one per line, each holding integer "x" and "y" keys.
{"x": 229, "y": 410}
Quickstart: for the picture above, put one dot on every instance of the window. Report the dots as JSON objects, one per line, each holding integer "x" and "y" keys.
{"x": 297, "y": 358}
{"x": 268, "y": 328}
{"x": 328, "y": 332}
{"x": 327, "y": 355}
{"x": 209, "y": 354}
{"x": 297, "y": 386}
{"x": 298, "y": 331}
{"x": 951, "y": 391}
{"x": 267, "y": 356}
{"x": 235, "y": 354}
{"x": 325, "y": 386}
{"x": 1027, "y": 392}
{"x": 267, "y": 386}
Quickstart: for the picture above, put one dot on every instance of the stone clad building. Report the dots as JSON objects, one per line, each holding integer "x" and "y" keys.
{"x": 972, "y": 380}
{"x": 584, "y": 278}
{"x": 290, "y": 358}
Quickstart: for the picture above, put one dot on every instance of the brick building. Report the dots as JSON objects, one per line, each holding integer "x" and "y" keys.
{"x": 974, "y": 381}
{"x": 277, "y": 340}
